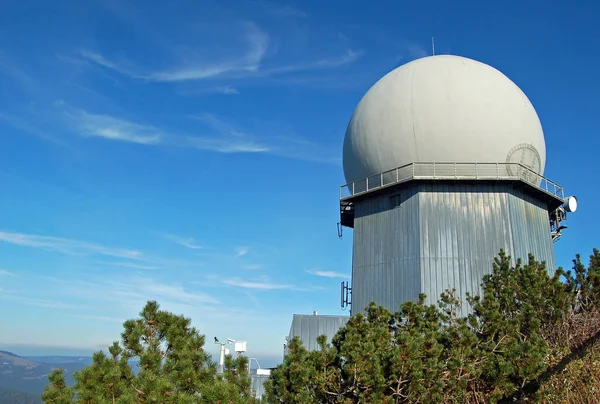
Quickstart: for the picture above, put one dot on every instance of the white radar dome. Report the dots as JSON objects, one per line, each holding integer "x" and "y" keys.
{"x": 442, "y": 109}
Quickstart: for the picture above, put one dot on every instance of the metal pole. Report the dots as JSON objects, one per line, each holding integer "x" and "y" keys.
{"x": 221, "y": 366}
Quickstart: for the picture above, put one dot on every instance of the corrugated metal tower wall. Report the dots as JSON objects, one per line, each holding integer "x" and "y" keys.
{"x": 429, "y": 237}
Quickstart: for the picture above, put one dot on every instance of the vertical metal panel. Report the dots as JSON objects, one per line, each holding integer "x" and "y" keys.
{"x": 309, "y": 327}
{"x": 442, "y": 236}
{"x": 385, "y": 265}
{"x": 467, "y": 226}
{"x": 530, "y": 218}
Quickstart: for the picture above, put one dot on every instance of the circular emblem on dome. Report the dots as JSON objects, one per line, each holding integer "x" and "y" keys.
{"x": 526, "y": 155}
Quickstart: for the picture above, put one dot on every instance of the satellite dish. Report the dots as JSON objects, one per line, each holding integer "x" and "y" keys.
{"x": 570, "y": 204}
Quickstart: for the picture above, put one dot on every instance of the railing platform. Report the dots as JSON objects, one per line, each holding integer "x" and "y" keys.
{"x": 512, "y": 172}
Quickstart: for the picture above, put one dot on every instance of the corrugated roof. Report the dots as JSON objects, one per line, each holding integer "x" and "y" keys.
{"x": 308, "y": 327}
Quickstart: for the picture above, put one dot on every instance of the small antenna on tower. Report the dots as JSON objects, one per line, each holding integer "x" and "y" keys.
{"x": 432, "y": 46}
{"x": 346, "y": 292}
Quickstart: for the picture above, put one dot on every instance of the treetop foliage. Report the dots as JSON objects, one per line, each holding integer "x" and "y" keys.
{"x": 173, "y": 368}
{"x": 518, "y": 335}
{"x": 529, "y": 337}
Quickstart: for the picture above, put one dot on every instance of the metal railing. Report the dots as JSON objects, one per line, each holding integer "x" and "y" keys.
{"x": 451, "y": 171}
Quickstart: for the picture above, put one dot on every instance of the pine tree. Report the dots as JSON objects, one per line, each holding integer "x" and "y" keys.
{"x": 461, "y": 356}
{"x": 57, "y": 391}
{"x": 584, "y": 283}
{"x": 173, "y": 368}
{"x": 291, "y": 381}
{"x": 508, "y": 318}
{"x": 426, "y": 353}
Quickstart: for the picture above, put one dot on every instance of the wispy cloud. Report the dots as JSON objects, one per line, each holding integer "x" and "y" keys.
{"x": 252, "y": 298}
{"x": 88, "y": 124}
{"x": 226, "y": 145}
{"x": 327, "y": 274}
{"x": 99, "y": 318}
{"x": 348, "y": 57}
{"x": 133, "y": 265}
{"x": 252, "y": 266}
{"x": 414, "y": 51}
{"x": 230, "y": 139}
{"x": 256, "y": 40}
{"x": 66, "y": 246}
{"x": 97, "y": 58}
{"x": 227, "y": 138}
{"x": 241, "y": 251}
{"x": 132, "y": 291}
{"x": 108, "y": 127}
{"x": 52, "y": 304}
{"x": 148, "y": 288}
{"x": 37, "y": 302}
{"x": 231, "y": 71}
{"x": 214, "y": 135}
{"x": 249, "y": 62}
{"x": 226, "y": 90}
{"x": 4, "y": 272}
{"x": 204, "y": 90}
{"x": 257, "y": 285}
{"x": 257, "y": 43}
{"x": 187, "y": 242}
{"x": 122, "y": 292}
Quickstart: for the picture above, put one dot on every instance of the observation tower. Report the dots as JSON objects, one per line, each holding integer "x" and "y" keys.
{"x": 444, "y": 161}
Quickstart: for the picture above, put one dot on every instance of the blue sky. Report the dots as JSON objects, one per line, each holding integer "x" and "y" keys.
{"x": 190, "y": 152}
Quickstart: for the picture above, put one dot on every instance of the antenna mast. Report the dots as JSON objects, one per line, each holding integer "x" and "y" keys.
{"x": 346, "y": 299}
{"x": 432, "y": 46}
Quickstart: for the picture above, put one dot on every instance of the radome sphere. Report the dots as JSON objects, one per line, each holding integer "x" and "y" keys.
{"x": 442, "y": 109}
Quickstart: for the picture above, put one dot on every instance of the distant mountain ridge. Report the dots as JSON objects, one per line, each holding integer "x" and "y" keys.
{"x": 23, "y": 378}
{"x": 16, "y": 360}
{"x": 58, "y": 360}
